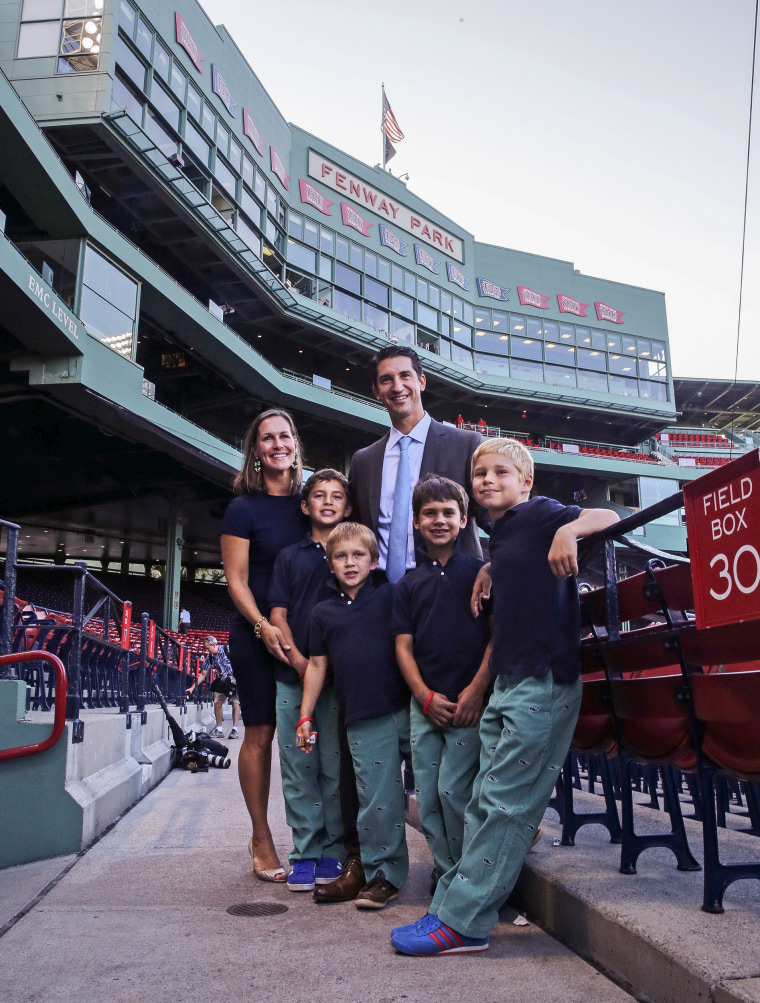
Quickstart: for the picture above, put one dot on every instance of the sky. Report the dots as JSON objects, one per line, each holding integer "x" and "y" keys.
{"x": 609, "y": 133}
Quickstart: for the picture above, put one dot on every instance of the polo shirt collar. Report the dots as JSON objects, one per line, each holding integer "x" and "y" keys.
{"x": 308, "y": 542}
{"x": 424, "y": 558}
{"x": 418, "y": 433}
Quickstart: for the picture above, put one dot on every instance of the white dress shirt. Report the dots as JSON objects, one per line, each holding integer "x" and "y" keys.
{"x": 418, "y": 436}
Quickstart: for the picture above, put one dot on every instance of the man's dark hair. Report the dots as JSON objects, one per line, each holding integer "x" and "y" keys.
{"x": 319, "y": 477}
{"x": 435, "y": 487}
{"x": 393, "y": 352}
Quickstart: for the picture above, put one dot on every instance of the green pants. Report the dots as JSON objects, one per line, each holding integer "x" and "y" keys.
{"x": 310, "y": 783}
{"x": 525, "y": 735}
{"x": 445, "y": 762}
{"x": 378, "y": 745}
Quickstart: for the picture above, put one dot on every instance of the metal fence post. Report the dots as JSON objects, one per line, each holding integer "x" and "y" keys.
{"x": 143, "y": 661}
{"x": 9, "y": 591}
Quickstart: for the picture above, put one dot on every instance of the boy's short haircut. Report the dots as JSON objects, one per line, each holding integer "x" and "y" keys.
{"x": 437, "y": 488}
{"x": 319, "y": 477}
{"x": 352, "y": 531}
{"x": 511, "y": 448}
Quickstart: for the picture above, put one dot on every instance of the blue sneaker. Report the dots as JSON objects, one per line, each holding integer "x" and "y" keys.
{"x": 429, "y": 936}
{"x": 328, "y": 869}
{"x": 302, "y": 876}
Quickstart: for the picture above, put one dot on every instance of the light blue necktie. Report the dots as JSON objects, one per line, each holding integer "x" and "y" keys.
{"x": 395, "y": 565}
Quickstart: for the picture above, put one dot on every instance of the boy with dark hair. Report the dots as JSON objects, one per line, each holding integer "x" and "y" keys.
{"x": 352, "y": 629}
{"x": 527, "y": 726}
{"x": 443, "y": 653}
{"x": 310, "y": 786}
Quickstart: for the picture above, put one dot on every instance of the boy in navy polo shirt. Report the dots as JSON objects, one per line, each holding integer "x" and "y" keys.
{"x": 526, "y": 729}
{"x": 352, "y": 629}
{"x": 443, "y": 652}
{"x": 310, "y": 786}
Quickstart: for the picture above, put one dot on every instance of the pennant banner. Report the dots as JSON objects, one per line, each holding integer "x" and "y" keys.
{"x": 352, "y": 218}
{"x": 568, "y": 305}
{"x": 186, "y": 40}
{"x": 389, "y": 239}
{"x": 457, "y": 277}
{"x": 249, "y": 128}
{"x": 424, "y": 258}
{"x": 278, "y": 168}
{"x": 529, "y": 297}
{"x": 490, "y": 289}
{"x": 312, "y": 197}
{"x": 604, "y": 312}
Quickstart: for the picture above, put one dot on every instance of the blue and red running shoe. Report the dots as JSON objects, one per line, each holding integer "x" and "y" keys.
{"x": 429, "y": 936}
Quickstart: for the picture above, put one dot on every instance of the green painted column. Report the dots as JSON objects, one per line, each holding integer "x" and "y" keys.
{"x": 172, "y": 578}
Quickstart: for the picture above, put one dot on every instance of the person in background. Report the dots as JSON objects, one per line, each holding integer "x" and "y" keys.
{"x": 217, "y": 658}
{"x": 184, "y": 621}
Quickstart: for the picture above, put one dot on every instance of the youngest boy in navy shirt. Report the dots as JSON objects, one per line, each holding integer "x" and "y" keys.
{"x": 352, "y": 630}
{"x": 310, "y": 787}
{"x": 443, "y": 652}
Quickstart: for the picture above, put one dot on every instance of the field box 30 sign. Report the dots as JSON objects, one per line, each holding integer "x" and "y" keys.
{"x": 723, "y": 523}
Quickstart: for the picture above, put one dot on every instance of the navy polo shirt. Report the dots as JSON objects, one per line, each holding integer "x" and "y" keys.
{"x": 536, "y": 617}
{"x": 432, "y": 603}
{"x": 355, "y": 635}
{"x": 299, "y": 581}
{"x": 269, "y": 523}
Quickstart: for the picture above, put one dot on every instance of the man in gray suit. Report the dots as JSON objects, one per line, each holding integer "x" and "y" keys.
{"x": 398, "y": 382}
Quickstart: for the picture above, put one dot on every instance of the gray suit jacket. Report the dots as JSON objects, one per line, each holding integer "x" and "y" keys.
{"x": 448, "y": 452}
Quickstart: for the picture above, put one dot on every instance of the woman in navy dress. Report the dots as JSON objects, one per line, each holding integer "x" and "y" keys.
{"x": 264, "y": 517}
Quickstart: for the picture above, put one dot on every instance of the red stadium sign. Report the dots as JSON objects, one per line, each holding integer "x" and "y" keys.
{"x": 126, "y": 625}
{"x": 723, "y": 523}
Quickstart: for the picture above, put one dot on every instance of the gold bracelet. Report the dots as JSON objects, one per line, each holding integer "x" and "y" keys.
{"x": 257, "y": 626}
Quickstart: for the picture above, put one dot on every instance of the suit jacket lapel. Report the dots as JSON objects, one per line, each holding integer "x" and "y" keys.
{"x": 375, "y": 477}
{"x": 432, "y": 452}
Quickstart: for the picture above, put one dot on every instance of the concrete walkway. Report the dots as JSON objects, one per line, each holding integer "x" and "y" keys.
{"x": 142, "y": 915}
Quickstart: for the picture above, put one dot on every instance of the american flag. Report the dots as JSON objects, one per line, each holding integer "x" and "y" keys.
{"x": 391, "y": 131}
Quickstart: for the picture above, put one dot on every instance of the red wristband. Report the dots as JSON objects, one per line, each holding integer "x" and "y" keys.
{"x": 428, "y": 701}
{"x": 303, "y": 719}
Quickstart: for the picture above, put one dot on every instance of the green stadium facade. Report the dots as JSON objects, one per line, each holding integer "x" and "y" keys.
{"x": 177, "y": 256}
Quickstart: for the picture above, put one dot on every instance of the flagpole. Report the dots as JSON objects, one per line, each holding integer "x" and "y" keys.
{"x": 382, "y": 118}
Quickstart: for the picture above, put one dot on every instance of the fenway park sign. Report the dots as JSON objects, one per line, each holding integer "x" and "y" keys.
{"x": 377, "y": 202}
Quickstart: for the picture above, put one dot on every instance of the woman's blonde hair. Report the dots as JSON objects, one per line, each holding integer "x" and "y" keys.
{"x": 249, "y": 480}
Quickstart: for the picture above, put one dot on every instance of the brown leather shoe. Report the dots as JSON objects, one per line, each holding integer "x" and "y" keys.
{"x": 346, "y": 887}
{"x": 376, "y": 894}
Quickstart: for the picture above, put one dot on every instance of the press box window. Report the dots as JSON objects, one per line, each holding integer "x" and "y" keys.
{"x": 80, "y": 38}
{"x": 108, "y": 303}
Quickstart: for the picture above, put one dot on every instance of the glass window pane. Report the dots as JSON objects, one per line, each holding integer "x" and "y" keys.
{"x": 461, "y": 356}
{"x": 302, "y": 257}
{"x": 125, "y": 97}
{"x": 109, "y": 282}
{"x": 194, "y": 103}
{"x": 259, "y": 189}
{"x": 621, "y": 364}
{"x": 164, "y": 104}
{"x": 375, "y": 317}
{"x": 80, "y": 45}
{"x": 166, "y": 143}
{"x": 38, "y": 38}
{"x": 41, "y": 10}
{"x": 248, "y": 234}
{"x": 197, "y": 143}
{"x": 527, "y": 371}
{"x": 652, "y": 370}
{"x": 488, "y": 341}
{"x": 645, "y": 348}
{"x": 114, "y": 327}
{"x": 516, "y": 324}
{"x": 551, "y": 330}
{"x": 272, "y": 202}
{"x": 144, "y": 39}
{"x": 81, "y": 8}
{"x": 326, "y": 242}
{"x": 251, "y": 206}
{"x": 658, "y": 351}
{"x": 370, "y": 264}
{"x": 161, "y": 60}
{"x": 127, "y": 17}
{"x": 592, "y": 381}
{"x": 410, "y": 284}
{"x": 341, "y": 249}
{"x": 384, "y": 270}
{"x": 624, "y": 385}
{"x": 445, "y": 302}
{"x": 563, "y": 355}
{"x": 357, "y": 258}
{"x": 653, "y": 391}
{"x": 655, "y": 489}
{"x": 348, "y": 278}
{"x": 583, "y": 336}
{"x": 248, "y": 172}
{"x": 592, "y": 360}
{"x": 491, "y": 364}
{"x": 376, "y": 292}
{"x": 403, "y": 304}
{"x": 209, "y": 121}
{"x": 223, "y": 138}
{"x": 178, "y": 82}
{"x": 398, "y": 277}
{"x": 422, "y": 290}
{"x": 526, "y": 348}
{"x": 483, "y": 318}
{"x": 468, "y": 314}
{"x": 403, "y": 330}
{"x": 614, "y": 342}
{"x": 629, "y": 344}
{"x": 434, "y": 296}
{"x": 559, "y": 376}
{"x": 599, "y": 340}
{"x": 427, "y": 317}
{"x": 444, "y": 348}
{"x": 295, "y": 225}
{"x": 311, "y": 233}
{"x": 567, "y": 334}
{"x": 225, "y": 177}
{"x": 325, "y": 268}
{"x": 534, "y": 328}
{"x": 348, "y": 305}
{"x": 462, "y": 334}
